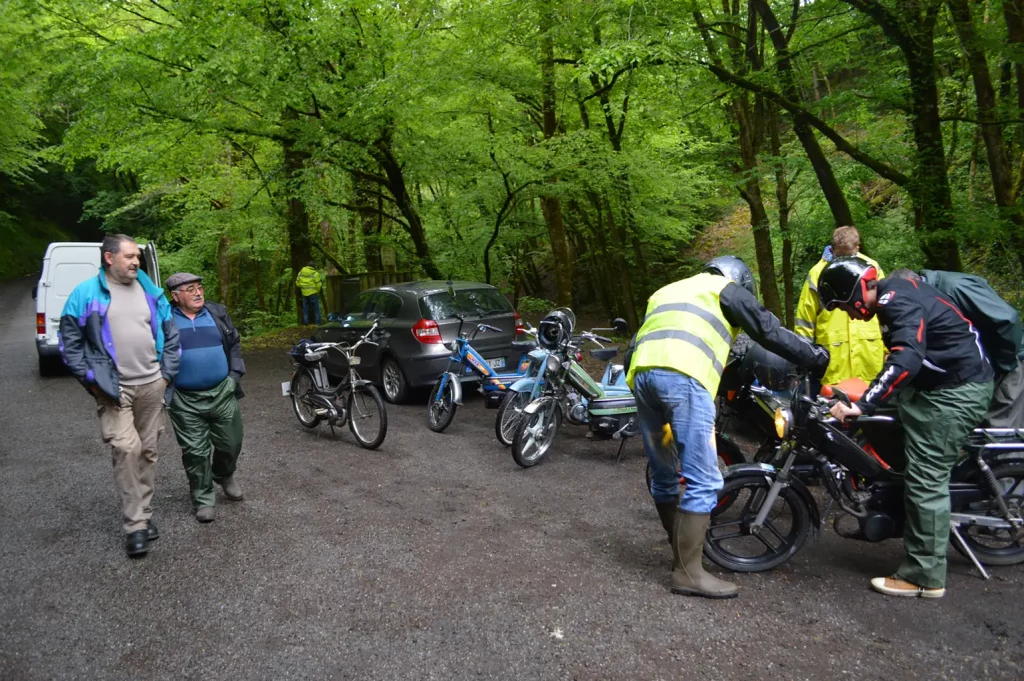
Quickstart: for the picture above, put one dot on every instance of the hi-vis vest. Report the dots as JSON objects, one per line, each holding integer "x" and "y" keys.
{"x": 856, "y": 346}
{"x": 685, "y": 331}
{"x": 308, "y": 281}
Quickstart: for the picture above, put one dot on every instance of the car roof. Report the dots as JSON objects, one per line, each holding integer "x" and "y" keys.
{"x": 427, "y": 287}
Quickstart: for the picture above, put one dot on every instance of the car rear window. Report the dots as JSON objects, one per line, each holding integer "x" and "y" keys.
{"x": 472, "y": 302}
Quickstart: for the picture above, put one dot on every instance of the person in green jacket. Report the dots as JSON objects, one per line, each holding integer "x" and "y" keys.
{"x": 1002, "y": 336}
{"x": 309, "y": 282}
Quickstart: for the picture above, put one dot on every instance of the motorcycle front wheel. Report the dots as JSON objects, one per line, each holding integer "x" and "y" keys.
{"x": 301, "y": 390}
{"x": 997, "y": 546}
{"x": 367, "y": 417}
{"x": 536, "y": 434}
{"x": 441, "y": 407}
{"x": 510, "y": 414}
{"x": 729, "y": 542}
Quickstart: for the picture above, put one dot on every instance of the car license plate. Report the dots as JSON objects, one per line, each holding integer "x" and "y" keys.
{"x": 497, "y": 363}
{"x": 286, "y": 388}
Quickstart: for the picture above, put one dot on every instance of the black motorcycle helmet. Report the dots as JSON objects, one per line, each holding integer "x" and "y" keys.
{"x": 731, "y": 267}
{"x": 555, "y": 327}
{"x": 844, "y": 284}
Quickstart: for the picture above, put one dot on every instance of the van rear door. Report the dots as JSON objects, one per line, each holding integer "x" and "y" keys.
{"x": 66, "y": 266}
{"x": 149, "y": 263}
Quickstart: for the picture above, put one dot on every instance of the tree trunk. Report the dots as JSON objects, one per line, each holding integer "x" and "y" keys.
{"x": 782, "y": 196}
{"x": 991, "y": 130}
{"x": 819, "y": 162}
{"x": 396, "y": 185}
{"x": 297, "y": 220}
{"x": 551, "y": 204}
{"x": 223, "y": 268}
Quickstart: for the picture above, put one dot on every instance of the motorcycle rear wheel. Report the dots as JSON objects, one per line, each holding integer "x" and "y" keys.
{"x": 729, "y": 542}
{"x": 302, "y": 387}
{"x": 510, "y": 414}
{"x": 997, "y": 547}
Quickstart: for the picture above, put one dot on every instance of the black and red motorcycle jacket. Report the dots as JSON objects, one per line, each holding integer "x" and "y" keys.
{"x": 931, "y": 343}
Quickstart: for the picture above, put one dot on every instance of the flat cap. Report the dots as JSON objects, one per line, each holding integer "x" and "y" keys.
{"x": 180, "y": 279}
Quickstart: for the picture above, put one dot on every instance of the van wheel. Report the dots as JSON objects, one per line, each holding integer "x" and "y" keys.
{"x": 396, "y": 388}
{"x": 50, "y": 366}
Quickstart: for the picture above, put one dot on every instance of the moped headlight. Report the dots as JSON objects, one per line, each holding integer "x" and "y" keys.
{"x": 554, "y": 364}
{"x": 782, "y": 419}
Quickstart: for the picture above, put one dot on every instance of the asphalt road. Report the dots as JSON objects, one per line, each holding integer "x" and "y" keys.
{"x": 433, "y": 557}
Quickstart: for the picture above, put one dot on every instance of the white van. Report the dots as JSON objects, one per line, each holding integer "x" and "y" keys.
{"x": 66, "y": 265}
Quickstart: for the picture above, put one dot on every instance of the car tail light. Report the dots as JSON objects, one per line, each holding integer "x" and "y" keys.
{"x": 41, "y": 324}
{"x": 520, "y": 327}
{"x": 426, "y": 331}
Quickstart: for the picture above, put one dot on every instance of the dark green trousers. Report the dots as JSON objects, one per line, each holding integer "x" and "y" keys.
{"x": 208, "y": 427}
{"x": 936, "y": 422}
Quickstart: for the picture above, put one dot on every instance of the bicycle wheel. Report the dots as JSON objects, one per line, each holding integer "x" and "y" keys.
{"x": 367, "y": 417}
{"x": 302, "y": 387}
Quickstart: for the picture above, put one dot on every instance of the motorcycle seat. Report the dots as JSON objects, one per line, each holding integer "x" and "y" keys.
{"x": 853, "y": 387}
{"x": 523, "y": 346}
{"x": 604, "y": 354}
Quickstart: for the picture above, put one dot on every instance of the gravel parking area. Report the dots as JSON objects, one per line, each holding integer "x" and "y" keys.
{"x": 433, "y": 557}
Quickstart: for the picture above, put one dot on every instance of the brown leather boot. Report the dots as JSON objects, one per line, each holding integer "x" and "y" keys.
{"x": 667, "y": 513}
{"x": 688, "y": 576}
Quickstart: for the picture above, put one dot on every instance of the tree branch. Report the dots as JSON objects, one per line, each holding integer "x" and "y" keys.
{"x": 842, "y": 144}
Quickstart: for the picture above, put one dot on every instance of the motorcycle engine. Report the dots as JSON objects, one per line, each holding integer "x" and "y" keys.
{"x": 577, "y": 412}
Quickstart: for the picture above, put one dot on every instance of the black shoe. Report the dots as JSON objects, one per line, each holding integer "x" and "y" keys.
{"x": 152, "y": 534}
{"x": 137, "y": 544}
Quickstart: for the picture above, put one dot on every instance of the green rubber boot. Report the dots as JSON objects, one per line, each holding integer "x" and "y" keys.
{"x": 688, "y": 576}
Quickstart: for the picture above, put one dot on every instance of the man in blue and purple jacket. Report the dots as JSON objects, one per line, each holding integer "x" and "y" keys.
{"x": 118, "y": 339}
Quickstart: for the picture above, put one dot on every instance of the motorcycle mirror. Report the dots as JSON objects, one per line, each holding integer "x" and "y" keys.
{"x": 620, "y": 325}
{"x": 841, "y": 395}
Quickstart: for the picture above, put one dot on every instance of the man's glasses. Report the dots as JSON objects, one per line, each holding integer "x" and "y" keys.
{"x": 194, "y": 288}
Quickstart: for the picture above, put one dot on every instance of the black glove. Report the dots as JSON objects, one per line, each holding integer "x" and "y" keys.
{"x": 821, "y": 361}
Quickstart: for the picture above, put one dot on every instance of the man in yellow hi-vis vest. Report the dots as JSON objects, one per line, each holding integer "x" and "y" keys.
{"x": 856, "y": 346}
{"x": 309, "y": 283}
{"x": 681, "y": 349}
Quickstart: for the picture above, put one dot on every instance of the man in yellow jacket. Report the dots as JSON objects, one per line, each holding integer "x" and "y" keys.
{"x": 855, "y": 346}
{"x": 309, "y": 283}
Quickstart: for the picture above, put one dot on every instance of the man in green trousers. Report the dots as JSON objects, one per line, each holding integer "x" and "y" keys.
{"x": 204, "y": 411}
{"x": 941, "y": 381}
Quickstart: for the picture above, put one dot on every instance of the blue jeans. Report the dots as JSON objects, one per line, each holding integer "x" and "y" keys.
{"x": 665, "y": 396}
{"x": 310, "y": 303}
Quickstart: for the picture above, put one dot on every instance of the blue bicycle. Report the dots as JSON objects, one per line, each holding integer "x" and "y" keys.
{"x": 446, "y": 395}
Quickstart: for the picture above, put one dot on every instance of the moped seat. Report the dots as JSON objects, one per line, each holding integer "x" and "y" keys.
{"x": 523, "y": 346}
{"x": 604, "y": 354}
{"x": 853, "y": 387}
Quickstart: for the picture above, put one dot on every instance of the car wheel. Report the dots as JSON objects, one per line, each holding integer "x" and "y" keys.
{"x": 396, "y": 388}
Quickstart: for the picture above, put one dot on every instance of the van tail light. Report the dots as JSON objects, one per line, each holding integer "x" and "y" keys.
{"x": 520, "y": 327}
{"x": 426, "y": 331}
{"x": 40, "y": 323}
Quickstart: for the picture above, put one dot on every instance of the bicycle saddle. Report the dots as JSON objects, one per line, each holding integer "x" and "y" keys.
{"x": 604, "y": 354}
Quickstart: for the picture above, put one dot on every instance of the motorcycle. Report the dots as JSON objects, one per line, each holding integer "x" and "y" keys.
{"x": 446, "y": 395}
{"x": 316, "y": 396}
{"x": 606, "y": 406}
{"x": 531, "y": 386}
{"x": 765, "y": 513}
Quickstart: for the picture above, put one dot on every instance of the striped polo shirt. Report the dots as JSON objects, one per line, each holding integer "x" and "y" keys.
{"x": 203, "y": 362}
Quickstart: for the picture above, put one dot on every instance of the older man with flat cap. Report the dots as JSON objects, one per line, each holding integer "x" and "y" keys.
{"x": 205, "y": 414}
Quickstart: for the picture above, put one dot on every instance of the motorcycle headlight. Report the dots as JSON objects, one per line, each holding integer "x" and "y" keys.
{"x": 554, "y": 364}
{"x": 782, "y": 419}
